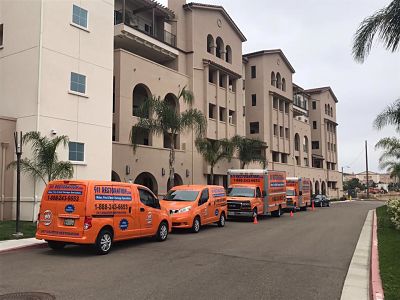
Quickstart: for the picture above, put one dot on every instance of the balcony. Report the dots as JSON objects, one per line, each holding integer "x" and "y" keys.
{"x": 141, "y": 28}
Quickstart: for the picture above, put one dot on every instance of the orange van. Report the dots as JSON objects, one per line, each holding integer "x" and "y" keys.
{"x": 191, "y": 206}
{"x": 99, "y": 213}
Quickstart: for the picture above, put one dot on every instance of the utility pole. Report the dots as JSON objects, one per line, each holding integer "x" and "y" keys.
{"x": 342, "y": 181}
{"x": 18, "y": 152}
{"x": 366, "y": 167}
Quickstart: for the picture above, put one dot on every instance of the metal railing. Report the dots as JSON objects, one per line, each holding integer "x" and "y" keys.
{"x": 144, "y": 26}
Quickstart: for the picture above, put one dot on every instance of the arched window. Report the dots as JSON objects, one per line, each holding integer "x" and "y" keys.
{"x": 140, "y": 94}
{"x": 305, "y": 144}
{"x": 331, "y": 112}
{"x": 326, "y": 109}
{"x": 228, "y": 54}
{"x": 278, "y": 81}
{"x": 172, "y": 102}
{"x": 283, "y": 84}
{"x": 296, "y": 142}
{"x": 273, "y": 79}
{"x": 220, "y": 48}
{"x": 210, "y": 44}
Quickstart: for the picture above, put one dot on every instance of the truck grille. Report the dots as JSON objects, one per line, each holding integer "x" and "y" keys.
{"x": 234, "y": 205}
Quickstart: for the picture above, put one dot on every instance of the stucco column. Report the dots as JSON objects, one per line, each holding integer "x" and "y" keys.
{"x": 217, "y": 102}
{"x": 3, "y": 170}
{"x": 226, "y": 78}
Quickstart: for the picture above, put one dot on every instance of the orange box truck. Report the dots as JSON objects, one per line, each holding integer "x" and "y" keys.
{"x": 298, "y": 193}
{"x": 255, "y": 192}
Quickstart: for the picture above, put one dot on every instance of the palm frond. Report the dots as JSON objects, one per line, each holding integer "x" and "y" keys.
{"x": 30, "y": 167}
{"x": 61, "y": 170}
{"x": 389, "y": 116}
{"x": 186, "y": 95}
{"x": 194, "y": 118}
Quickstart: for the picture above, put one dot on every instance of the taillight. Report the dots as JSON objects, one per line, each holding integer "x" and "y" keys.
{"x": 38, "y": 219}
{"x": 87, "y": 223}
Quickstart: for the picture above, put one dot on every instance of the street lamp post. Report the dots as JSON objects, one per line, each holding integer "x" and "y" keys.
{"x": 18, "y": 152}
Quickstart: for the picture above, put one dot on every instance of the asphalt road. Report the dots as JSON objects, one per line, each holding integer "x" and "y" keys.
{"x": 304, "y": 257}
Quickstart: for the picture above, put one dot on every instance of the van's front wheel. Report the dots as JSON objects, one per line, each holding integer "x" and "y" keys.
{"x": 221, "y": 222}
{"x": 104, "y": 242}
{"x": 162, "y": 232}
{"x": 196, "y": 225}
{"x": 56, "y": 245}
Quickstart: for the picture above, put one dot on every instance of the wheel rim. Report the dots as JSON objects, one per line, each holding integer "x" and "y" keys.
{"x": 196, "y": 225}
{"x": 222, "y": 220}
{"x": 279, "y": 211}
{"x": 105, "y": 242}
{"x": 163, "y": 232}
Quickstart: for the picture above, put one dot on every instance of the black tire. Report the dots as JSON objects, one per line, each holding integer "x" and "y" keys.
{"x": 304, "y": 208}
{"x": 104, "y": 242}
{"x": 254, "y": 214}
{"x": 196, "y": 225}
{"x": 277, "y": 213}
{"x": 328, "y": 204}
{"x": 162, "y": 232}
{"x": 222, "y": 220}
{"x": 55, "y": 245}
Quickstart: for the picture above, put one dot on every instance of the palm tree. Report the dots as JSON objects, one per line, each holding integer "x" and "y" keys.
{"x": 393, "y": 167}
{"x": 250, "y": 150}
{"x": 45, "y": 164}
{"x": 169, "y": 121}
{"x": 390, "y": 116}
{"x": 214, "y": 151}
{"x": 385, "y": 23}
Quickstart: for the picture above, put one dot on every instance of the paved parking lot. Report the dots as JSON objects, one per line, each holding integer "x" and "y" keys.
{"x": 304, "y": 257}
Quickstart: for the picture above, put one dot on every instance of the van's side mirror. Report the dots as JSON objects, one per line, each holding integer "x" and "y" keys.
{"x": 300, "y": 193}
{"x": 264, "y": 193}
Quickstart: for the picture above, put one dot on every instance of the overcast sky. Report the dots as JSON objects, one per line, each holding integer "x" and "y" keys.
{"x": 316, "y": 37}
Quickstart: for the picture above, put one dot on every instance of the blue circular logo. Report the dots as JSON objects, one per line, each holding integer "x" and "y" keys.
{"x": 216, "y": 212}
{"x": 123, "y": 224}
{"x": 69, "y": 208}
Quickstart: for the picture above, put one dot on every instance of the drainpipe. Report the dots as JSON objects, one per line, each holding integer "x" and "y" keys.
{"x": 3, "y": 171}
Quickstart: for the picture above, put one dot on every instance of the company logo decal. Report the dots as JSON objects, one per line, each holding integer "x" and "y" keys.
{"x": 149, "y": 218}
{"x": 123, "y": 224}
{"x": 47, "y": 215}
{"x": 69, "y": 208}
{"x": 216, "y": 212}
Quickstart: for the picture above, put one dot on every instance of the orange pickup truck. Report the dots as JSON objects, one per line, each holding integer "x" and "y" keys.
{"x": 255, "y": 192}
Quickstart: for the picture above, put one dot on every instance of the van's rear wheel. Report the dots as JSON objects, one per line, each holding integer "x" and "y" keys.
{"x": 104, "y": 242}
{"x": 196, "y": 225}
{"x": 162, "y": 232}
{"x": 56, "y": 245}
{"x": 221, "y": 222}
{"x": 277, "y": 213}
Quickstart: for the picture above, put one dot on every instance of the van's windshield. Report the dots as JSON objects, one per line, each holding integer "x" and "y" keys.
{"x": 241, "y": 192}
{"x": 181, "y": 195}
{"x": 290, "y": 193}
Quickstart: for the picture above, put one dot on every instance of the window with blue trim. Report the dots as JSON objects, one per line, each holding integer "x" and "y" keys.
{"x": 78, "y": 83}
{"x": 80, "y": 16}
{"x": 76, "y": 151}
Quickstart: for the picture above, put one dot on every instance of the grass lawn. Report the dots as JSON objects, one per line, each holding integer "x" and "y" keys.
{"x": 389, "y": 255}
{"x": 7, "y": 228}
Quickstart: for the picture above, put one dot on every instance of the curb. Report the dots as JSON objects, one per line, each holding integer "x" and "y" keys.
{"x": 12, "y": 245}
{"x": 357, "y": 282}
{"x": 375, "y": 276}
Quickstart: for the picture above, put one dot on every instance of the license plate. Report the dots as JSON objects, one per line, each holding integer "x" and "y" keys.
{"x": 69, "y": 222}
{"x": 231, "y": 213}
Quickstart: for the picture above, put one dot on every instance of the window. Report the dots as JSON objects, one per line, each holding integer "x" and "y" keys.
{"x": 80, "y": 16}
{"x": 275, "y": 129}
{"x": 305, "y": 144}
{"x": 222, "y": 114}
{"x": 148, "y": 199}
{"x": 283, "y": 84}
{"x": 212, "y": 76}
{"x": 258, "y": 192}
{"x": 328, "y": 165}
{"x": 286, "y": 108}
{"x": 278, "y": 81}
{"x": 220, "y": 48}
{"x": 253, "y": 72}
{"x": 253, "y": 100}
{"x": 222, "y": 81}
{"x": 76, "y": 151}
{"x": 78, "y": 83}
{"x": 228, "y": 54}
{"x": 232, "y": 117}
{"x": 275, "y": 156}
{"x": 275, "y": 103}
{"x": 297, "y": 160}
{"x": 281, "y": 105}
{"x": 306, "y": 161}
{"x": 296, "y": 142}
{"x": 331, "y": 112}
{"x": 314, "y": 125}
{"x": 210, "y": 44}
{"x": 315, "y": 144}
{"x": 314, "y": 105}
{"x": 284, "y": 158}
{"x": 1, "y": 34}
{"x": 204, "y": 197}
{"x": 287, "y": 133}
{"x": 281, "y": 131}
{"x": 211, "y": 110}
{"x": 254, "y": 127}
{"x": 232, "y": 84}
{"x": 273, "y": 79}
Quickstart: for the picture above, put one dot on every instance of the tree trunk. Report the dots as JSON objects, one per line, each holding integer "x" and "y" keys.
{"x": 242, "y": 165}
{"x": 212, "y": 174}
{"x": 171, "y": 162}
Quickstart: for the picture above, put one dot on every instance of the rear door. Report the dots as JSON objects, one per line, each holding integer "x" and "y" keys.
{"x": 149, "y": 212}
{"x": 63, "y": 209}
{"x": 219, "y": 202}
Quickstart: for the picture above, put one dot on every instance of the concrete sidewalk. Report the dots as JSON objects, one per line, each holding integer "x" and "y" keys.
{"x": 356, "y": 285}
{"x": 10, "y": 245}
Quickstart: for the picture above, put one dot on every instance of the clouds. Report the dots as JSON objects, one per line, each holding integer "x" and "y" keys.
{"x": 316, "y": 36}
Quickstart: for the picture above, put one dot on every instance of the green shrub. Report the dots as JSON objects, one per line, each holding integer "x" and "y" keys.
{"x": 393, "y": 208}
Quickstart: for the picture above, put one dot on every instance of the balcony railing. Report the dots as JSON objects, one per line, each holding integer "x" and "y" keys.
{"x": 144, "y": 26}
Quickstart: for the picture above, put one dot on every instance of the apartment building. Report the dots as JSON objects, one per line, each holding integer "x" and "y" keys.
{"x": 376, "y": 177}
{"x": 298, "y": 125}
{"x": 56, "y": 70}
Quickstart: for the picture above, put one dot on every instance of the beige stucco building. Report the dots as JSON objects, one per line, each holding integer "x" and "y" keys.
{"x": 372, "y": 176}
{"x": 84, "y": 67}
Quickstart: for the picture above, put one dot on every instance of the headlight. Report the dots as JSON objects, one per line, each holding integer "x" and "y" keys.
{"x": 184, "y": 209}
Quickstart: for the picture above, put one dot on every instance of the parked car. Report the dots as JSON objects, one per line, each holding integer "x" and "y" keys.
{"x": 321, "y": 200}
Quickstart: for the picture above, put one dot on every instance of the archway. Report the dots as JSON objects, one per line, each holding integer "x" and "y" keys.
{"x": 220, "y": 48}
{"x": 210, "y": 44}
{"x": 173, "y": 103}
{"x": 140, "y": 94}
{"x": 148, "y": 180}
{"x": 228, "y": 54}
{"x": 296, "y": 142}
{"x": 115, "y": 177}
{"x": 323, "y": 188}
{"x": 177, "y": 181}
{"x": 317, "y": 187}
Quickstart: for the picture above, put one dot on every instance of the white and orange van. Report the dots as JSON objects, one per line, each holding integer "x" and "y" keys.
{"x": 298, "y": 193}
{"x": 191, "y": 206}
{"x": 99, "y": 213}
